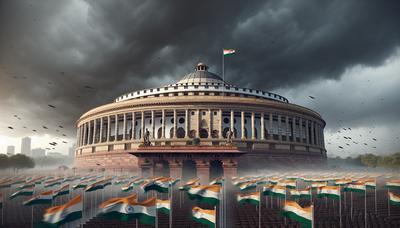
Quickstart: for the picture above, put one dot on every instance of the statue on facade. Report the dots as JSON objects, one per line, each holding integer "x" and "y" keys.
{"x": 229, "y": 137}
{"x": 146, "y": 138}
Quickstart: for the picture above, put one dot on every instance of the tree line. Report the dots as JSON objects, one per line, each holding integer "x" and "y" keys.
{"x": 16, "y": 162}
{"x": 391, "y": 161}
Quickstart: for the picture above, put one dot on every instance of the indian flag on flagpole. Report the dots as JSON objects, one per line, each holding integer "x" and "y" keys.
{"x": 62, "y": 214}
{"x": 248, "y": 185}
{"x": 355, "y": 187}
{"x": 342, "y": 182}
{"x": 43, "y": 198}
{"x": 394, "y": 199}
{"x": 23, "y": 192}
{"x": 209, "y": 194}
{"x": 288, "y": 183}
{"x": 300, "y": 193}
{"x": 229, "y": 52}
{"x": 62, "y": 191}
{"x": 164, "y": 206}
{"x": 206, "y": 217}
{"x": 275, "y": 190}
{"x": 127, "y": 207}
{"x": 393, "y": 184}
{"x": 1, "y": 200}
{"x": 158, "y": 184}
{"x": 332, "y": 192}
{"x": 253, "y": 198}
{"x": 302, "y": 215}
{"x": 190, "y": 183}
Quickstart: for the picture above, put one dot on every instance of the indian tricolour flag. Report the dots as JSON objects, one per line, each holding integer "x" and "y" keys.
{"x": 62, "y": 214}
{"x": 393, "y": 184}
{"x": 329, "y": 191}
{"x": 319, "y": 184}
{"x": 302, "y": 215}
{"x": 164, "y": 206}
{"x": 43, "y": 198}
{"x": 159, "y": 184}
{"x": 248, "y": 185}
{"x": 217, "y": 181}
{"x": 253, "y": 198}
{"x": 288, "y": 183}
{"x": 62, "y": 191}
{"x": 355, "y": 187}
{"x": 101, "y": 184}
{"x": 306, "y": 193}
{"x": 229, "y": 51}
{"x": 23, "y": 192}
{"x": 205, "y": 193}
{"x": 394, "y": 199}
{"x": 342, "y": 182}
{"x": 126, "y": 207}
{"x": 275, "y": 190}
{"x": 370, "y": 183}
{"x": 206, "y": 217}
{"x": 190, "y": 183}
{"x": 1, "y": 200}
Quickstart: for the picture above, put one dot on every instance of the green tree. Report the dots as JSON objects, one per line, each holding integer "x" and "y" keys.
{"x": 4, "y": 161}
{"x": 369, "y": 160}
{"x": 21, "y": 161}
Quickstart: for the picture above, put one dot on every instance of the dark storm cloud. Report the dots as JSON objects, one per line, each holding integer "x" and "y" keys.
{"x": 119, "y": 46}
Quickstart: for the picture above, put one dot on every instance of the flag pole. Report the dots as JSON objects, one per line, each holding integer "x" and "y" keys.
{"x": 340, "y": 205}
{"x": 351, "y": 205}
{"x": 259, "y": 212}
{"x": 388, "y": 203}
{"x": 223, "y": 66}
{"x": 365, "y": 207}
{"x": 375, "y": 196}
{"x": 170, "y": 205}
{"x": 312, "y": 215}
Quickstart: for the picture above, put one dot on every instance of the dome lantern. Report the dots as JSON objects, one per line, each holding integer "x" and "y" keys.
{"x": 201, "y": 67}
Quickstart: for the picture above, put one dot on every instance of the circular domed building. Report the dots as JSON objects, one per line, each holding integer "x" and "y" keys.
{"x": 201, "y": 126}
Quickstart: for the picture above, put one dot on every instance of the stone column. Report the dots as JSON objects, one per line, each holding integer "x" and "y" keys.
{"x": 242, "y": 124}
{"x": 124, "y": 128}
{"x": 84, "y": 134}
{"x": 233, "y": 123}
{"x": 280, "y": 127}
{"x": 262, "y": 126}
{"x": 230, "y": 168}
{"x": 253, "y": 127}
{"x": 116, "y": 128}
{"x": 78, "y": 136}
{"x": 187, "y": 123}
{"x": 301, "y": 129}
{"x": 142, "y": 126}
{"x": 175, "y": 168}
{"x": 101, "y": 130}
{"x": 312, "y": 133}
{"x": 163, "y": 124}
{"x": 318, "y": 142}
{"x": 203, "y": 170}
{"x": 220, "y": 125}
{"x": 210, "y": 123}
{"x": 198, "y": 124}
{"x": 287, "y": 128}
{"x": 133, "y": 126}
{"x": 146, "y": 167}
{"x": 293, "y": 129}
{"x": 89, "y": 138}
{"x": 175, "y": 123}
{"x": 108, "y": 128}
{"x": 307, "y": 132}
{"x": 153, "y": 134}
{"x": 270, "y": 126}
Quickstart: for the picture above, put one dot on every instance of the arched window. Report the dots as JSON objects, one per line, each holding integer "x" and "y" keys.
{"x": 203, "y": 133}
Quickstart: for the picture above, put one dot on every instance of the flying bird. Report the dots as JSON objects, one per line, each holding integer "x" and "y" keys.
{"x": 88, "y": 87}
{"x": 45, "y": 127}
{"x": 311, "y": 97}
{"x": 374, "y": 139}
{"x": 9, "y": 127}
{"x": 51, "y": 106}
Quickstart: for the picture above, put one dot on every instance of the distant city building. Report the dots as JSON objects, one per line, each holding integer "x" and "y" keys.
{"x": 38, "y": 152}
{"x": 54, "y": 154}
{"x": 10, "y": 150}
{"x": 26, "y": 146}
{"x": 71, "y": 151}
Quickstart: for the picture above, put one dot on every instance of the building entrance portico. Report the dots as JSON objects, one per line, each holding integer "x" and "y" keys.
{"x": 186, "y": 162}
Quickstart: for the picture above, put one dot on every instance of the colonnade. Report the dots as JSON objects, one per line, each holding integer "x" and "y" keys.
{"x": 201, "y": 123}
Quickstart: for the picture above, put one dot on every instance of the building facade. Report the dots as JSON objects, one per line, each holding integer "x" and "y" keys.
{"x": 10, "y": 150}
{"x": 26, "y": 146}
{"x": 203, "y": 120}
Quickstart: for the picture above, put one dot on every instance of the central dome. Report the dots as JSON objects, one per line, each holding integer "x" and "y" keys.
{"x": 201, "y": 75}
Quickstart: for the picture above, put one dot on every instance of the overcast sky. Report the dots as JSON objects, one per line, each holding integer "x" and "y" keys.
{"x": 345, "y": 53}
